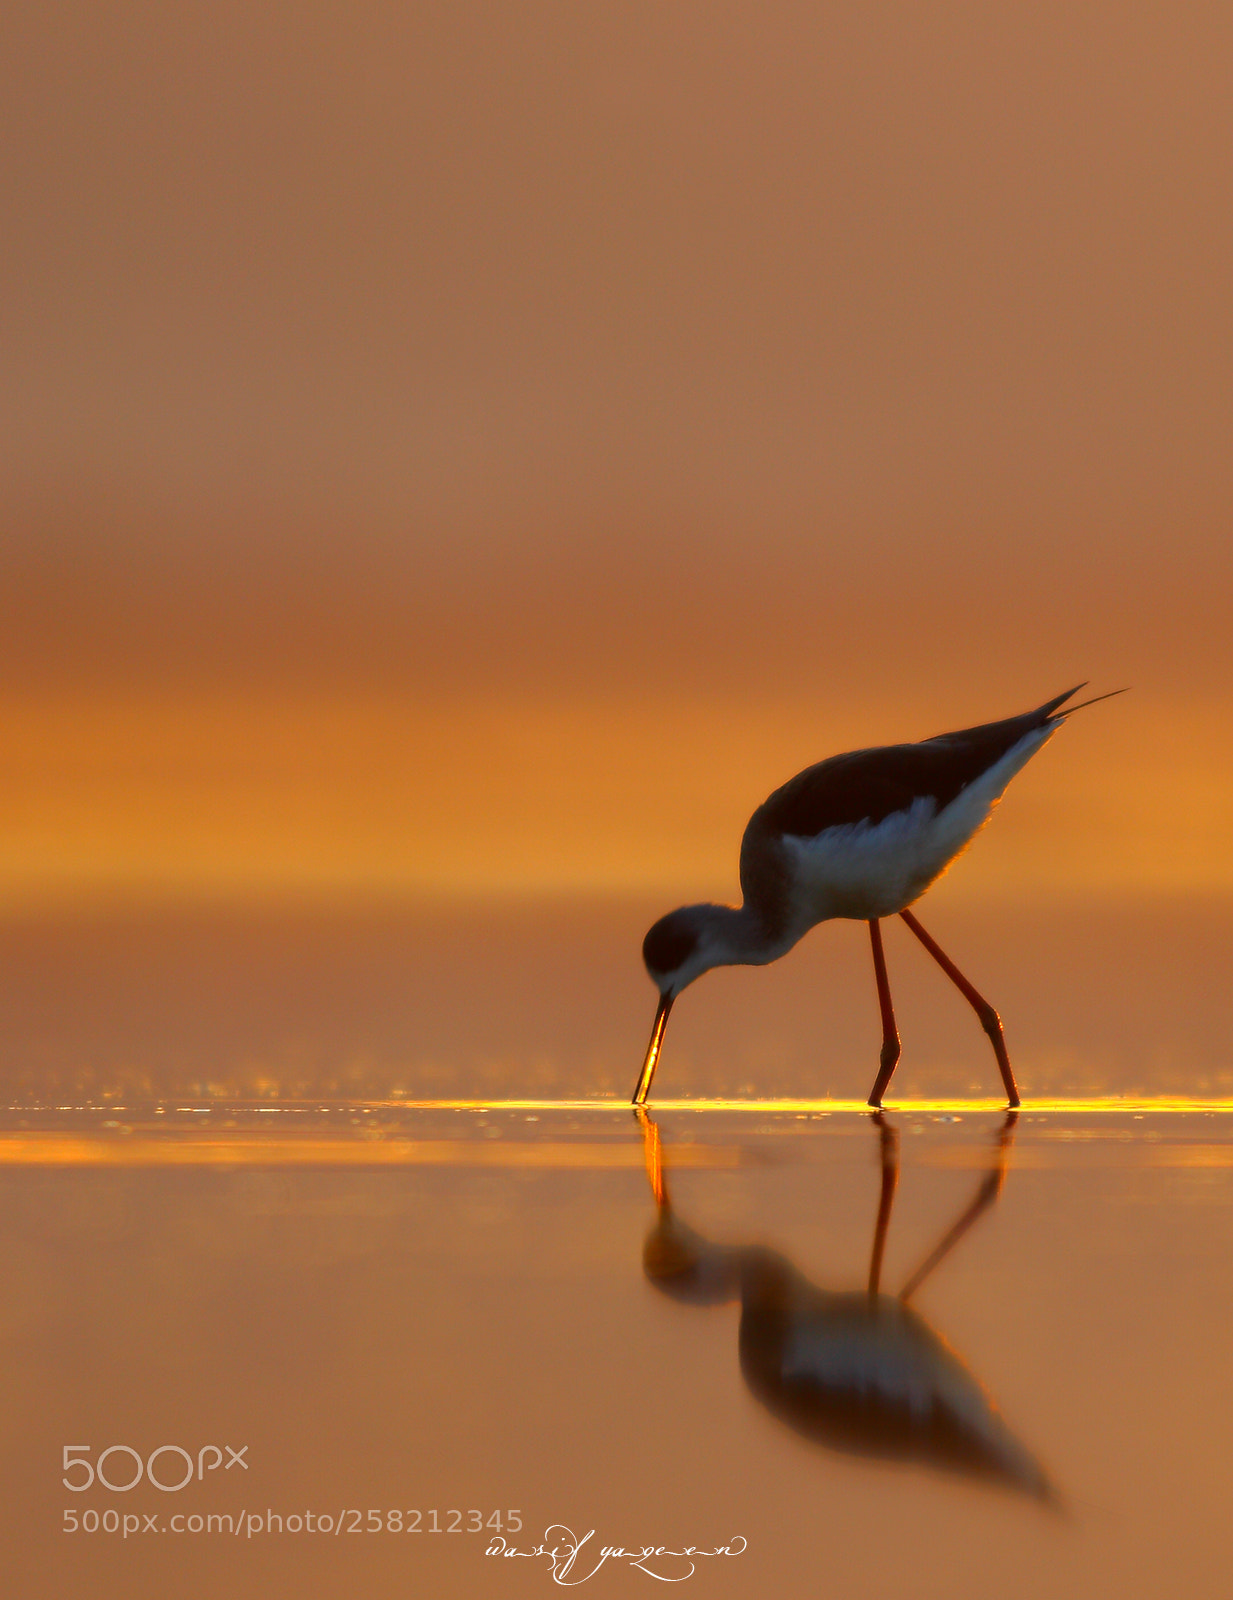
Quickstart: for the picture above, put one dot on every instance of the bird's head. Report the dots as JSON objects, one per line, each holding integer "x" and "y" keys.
{"x": 688, "y": 1267}
{"x": 681, "y": 947}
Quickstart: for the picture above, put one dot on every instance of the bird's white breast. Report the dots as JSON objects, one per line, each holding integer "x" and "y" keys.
{"x": 890, "y": 1360}
{"x": 889, "y": 1355}
{"x": 866, "y": 870}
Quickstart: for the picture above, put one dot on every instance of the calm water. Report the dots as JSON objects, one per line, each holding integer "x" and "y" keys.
{"x": 551, "y": 999}
{"x": 236, "y": 1253}
{"x": 492, "y": 1311}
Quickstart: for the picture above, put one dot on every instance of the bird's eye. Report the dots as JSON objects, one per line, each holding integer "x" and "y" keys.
{"x": 669, "y": 945}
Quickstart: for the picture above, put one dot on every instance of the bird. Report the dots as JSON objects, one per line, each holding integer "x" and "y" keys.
{"x": 857, "y": 1371}
{"x": 859, "y": 836}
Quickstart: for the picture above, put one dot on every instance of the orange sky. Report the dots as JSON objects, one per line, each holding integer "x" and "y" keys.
{"x": 470, "y": 443}
{"x": 272, "y": 795}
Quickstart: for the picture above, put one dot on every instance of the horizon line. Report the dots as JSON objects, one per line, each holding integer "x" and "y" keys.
{"x": 318, "y": 1105}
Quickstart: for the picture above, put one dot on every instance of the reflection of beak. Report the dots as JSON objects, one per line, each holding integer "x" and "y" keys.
{"x": 652, "y": 1050}
{"x": 654, "y": 1156}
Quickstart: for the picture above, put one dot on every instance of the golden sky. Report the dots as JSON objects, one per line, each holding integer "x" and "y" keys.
{"x": 469, "y": 444}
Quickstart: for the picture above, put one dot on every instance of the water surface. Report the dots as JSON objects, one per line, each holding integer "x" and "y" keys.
{"x": 569, "y": 1315}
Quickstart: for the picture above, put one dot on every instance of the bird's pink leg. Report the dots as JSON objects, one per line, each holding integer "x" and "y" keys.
{"x": 988, "y": 1192}
{"x": 890, "y": 1179}
{"x": 890, "y": 1033}
{"x": 989, "y": 1019}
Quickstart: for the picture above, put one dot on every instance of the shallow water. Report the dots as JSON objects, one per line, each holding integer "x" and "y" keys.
{"x": 388, "y": 1311}
{"x": 549, "y": 998}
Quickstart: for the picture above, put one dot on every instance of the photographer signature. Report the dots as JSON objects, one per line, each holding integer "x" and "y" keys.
{"x": 657, "y": 1561}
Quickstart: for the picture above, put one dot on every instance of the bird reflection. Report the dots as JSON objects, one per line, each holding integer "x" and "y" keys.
{"x": 860, "y": 1371}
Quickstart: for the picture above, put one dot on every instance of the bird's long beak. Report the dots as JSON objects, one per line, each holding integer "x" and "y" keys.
{"x": 653, "y": 1154}
{"x": 652, "y": 1050}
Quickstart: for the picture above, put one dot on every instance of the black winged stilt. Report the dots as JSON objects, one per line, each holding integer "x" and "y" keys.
{"x": 859, "y": 1371}
{"x": 860, "y": 836}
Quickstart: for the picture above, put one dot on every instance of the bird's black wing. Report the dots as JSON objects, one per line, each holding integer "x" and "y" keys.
{"x": 870, "y": 785}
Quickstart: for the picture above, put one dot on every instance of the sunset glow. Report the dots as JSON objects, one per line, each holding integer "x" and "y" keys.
{"x": 240, "y": 797}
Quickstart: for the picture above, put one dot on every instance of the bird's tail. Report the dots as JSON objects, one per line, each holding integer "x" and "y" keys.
{"x": 1049, "y": 711}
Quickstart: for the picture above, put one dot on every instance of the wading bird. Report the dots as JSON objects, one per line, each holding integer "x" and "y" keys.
{"x": 857, "y": 1371}
{"x": 860, "y": 836}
